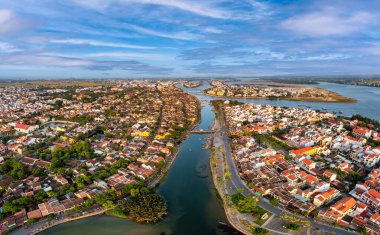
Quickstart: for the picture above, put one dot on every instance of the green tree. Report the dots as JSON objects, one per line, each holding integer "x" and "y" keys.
{"x": 260, "y": 231}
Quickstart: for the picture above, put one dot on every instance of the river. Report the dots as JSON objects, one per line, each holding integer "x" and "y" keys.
{"x": 368, "y": 100}
{"x": 188, "y": 188}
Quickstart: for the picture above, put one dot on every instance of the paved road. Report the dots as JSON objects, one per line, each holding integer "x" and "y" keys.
{"x": 235, "y": 182}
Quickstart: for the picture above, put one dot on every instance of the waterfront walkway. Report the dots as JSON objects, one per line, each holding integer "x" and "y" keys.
{"x": 48, "y": 223}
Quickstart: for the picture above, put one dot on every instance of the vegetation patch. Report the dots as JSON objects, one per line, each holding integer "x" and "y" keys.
{"x": 260, "y": 231}
{"x": 293, "y": 227}
{"x": 143, "y": 208}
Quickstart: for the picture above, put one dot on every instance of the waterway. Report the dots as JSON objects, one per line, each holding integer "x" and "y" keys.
{"x": 368, "y": 100}
{"x": 188, "y": 188}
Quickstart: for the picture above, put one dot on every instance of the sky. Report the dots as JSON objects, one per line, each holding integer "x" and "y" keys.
{"x": 184, "y": 38}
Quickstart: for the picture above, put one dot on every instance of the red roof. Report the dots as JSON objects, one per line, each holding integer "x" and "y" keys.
{"x": 22, "y": 126}
{"x": 299, "y": 151}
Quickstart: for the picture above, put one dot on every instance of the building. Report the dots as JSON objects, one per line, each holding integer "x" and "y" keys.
{"x": 25, "y": 128}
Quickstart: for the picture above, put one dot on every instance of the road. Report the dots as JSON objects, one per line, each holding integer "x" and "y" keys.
{"x": 235, "y": 182}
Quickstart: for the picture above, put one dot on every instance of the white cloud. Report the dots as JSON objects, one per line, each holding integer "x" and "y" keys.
{"x": 5, "y": 15}
{"x": 321, "y": 57}
{"x": 198, "y": 8}
{"x": 44, "y": 60}
{"x": 9, "y": 23}
{"x": 178, "y": 35}
{"x": 7, "y": 48}
{"x": 75, "y": 41}
{"x": 327, "y": 23}
{"x": 149, "y": 56}
{"x": 213, "y": 30}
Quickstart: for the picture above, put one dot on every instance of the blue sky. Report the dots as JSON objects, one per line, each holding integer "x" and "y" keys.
{"x": 169, "y": 38}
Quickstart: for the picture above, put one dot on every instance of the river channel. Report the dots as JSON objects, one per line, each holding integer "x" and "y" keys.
{"x": 188, "y": 188}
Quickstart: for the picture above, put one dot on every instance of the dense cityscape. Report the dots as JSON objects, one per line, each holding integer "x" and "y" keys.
{"x": 185, "y": 117}
{"x": 72, "y": 150}
{"x": 92, "y": 146}
{"x": 309, "y": 162}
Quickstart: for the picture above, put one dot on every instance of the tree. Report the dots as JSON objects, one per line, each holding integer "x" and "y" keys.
{"x": 293, "y": 226}
{"x": 58, "y": 103}
{"x": 149, "y": 208}
{"x": 247, "y": 205}
{"x": 56, "y": 162}
{"x": 40, "y": 196}
{"x": 274, "y": 202}
{"x": 108, "y": 204}
{"x": 14, "y": 169}
{"x": 237, "y": 197}
{"x": 260, "y": 231}
{"x": 82, "y": 181}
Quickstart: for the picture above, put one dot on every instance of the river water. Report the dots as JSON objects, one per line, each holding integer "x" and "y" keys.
{"x": 368, "y": 100}
{"x": 188, "y": 188}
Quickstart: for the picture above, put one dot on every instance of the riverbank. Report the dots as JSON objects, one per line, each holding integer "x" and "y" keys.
{"x": 221, "y": 175}
{"x": 228, "y": 182}
{"x": 338, "y": 99}
{"x": 218, "y": 175}
{"x": 49, "y": 223}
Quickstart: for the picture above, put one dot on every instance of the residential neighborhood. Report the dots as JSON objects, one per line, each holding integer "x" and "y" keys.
{"x": 63, "y": 147}
{"x": 308, "y": 162}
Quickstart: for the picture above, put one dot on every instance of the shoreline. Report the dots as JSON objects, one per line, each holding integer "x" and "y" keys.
{"x": 350, "y": 101}
{"x": 345, "y": 100}
{"x": 220, "y": 194}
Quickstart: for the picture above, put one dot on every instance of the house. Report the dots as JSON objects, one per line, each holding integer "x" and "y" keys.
{"x": 329, "y": 175}
{"x": 344, "y": 206}
{"x": 325, "y": 197}
{"x": 309, "y": 164}
{"x": 359, "y": 132}
{"x": 307, "y": 151}
{"x": 25, "y": 128}
{"x": 60, "y": 179}
{"x": 3, "y": 149}
{"x": 371, "y": 198}
{"x": 35, "y": 214}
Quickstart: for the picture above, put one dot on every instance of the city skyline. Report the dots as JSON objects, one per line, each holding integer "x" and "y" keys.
{"x": 157, "y": 38}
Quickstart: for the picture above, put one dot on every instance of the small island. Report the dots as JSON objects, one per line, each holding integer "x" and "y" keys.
{"x": 192, "y": 84}
{"x": 279, "y": 91}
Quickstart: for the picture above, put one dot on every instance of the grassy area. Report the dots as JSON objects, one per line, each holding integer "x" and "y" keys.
{"x": 270, "y": 141}
{"x": 117, "y": 213}
{"x": 259, "y": 214}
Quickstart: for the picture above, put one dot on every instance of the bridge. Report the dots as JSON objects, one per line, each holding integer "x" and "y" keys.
{"x": 202, "y": 132}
